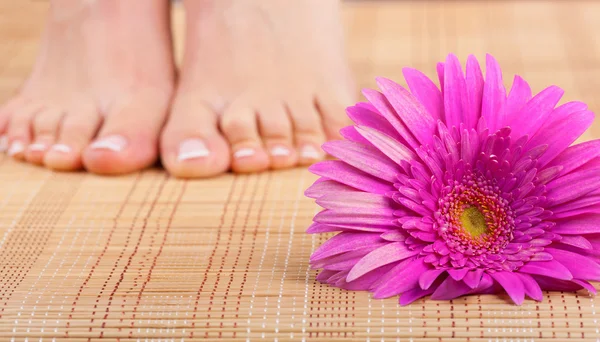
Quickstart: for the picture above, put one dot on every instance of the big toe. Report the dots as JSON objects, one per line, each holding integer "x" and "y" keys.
{"x": 191, "y": 145}
{"x": 128, "y": 139}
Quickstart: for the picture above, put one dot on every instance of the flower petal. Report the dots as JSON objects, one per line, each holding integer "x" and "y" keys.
{"x": 535, "y": 112}
{"x": 348, "y": 175}
{"x": 562, "y": 189}
{"x": 413, "y": 114}
{"x": 474, "y": 79}
{"x": 410, "y": 296}
{"x": 337, "y": 200}
{"x": 560, "y": 134}
{"x": 317, "y": 228}
{"x": 576, "y": 155}
{"x": 404, "y": 277}
{"x": 532, "y": 288}
{"x": 428, "y": 277}
{"x": 344, "y": 242}
{"x": 494, "y": 95}
{"x": 450, "y": 289}
{"x": 518, "y": 96}
{"x": 473, "y": 278}
{"x": 357, "y": 217}
{"x": 583, "y": 224}
{"x": 364, "y": 117}
{"x": 392, "y": 252}
{"x": 425, "y": 91}
{"x": 388, "y": 112}
{"x": 455, "y": 95}
{"x": 325, "y": 186}
{"x": 364, "y": 158}
{"x": 550, "y": 268}
{"x": 393, "y": 149}
{"x": 585, "y": 285}
{"x": 512, "y": 284}
{"x": 576, "y": 241}
{"x": 580, "y": 266}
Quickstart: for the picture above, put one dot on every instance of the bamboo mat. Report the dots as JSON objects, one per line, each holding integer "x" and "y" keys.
{"x": 150, "y": 258}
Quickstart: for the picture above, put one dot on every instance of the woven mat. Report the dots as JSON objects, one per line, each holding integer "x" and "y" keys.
{"x": 148, "y": 257}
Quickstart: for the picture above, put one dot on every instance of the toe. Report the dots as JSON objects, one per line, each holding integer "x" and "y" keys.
{"x": 45, "y": 133}
{"x": 333, "y": 116}
{"x": 19, "y": 130}
{"x": 5, "y": 114}
{"x": 191, "y": 145}
{"x": 275, "y": 127}
{"x": 128, "y": 139}
{"x": 239, "y": 125}
{"x": 77, "y": 129}
{"x": 308, "y": 131}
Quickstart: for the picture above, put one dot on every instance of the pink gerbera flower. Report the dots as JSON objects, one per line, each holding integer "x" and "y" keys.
{"x": 461, "y": 191}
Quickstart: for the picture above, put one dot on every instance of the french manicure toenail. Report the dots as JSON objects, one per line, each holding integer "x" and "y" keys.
{"x": 244, "y": 152}
{"x": 191, "y": 149}
{"x": 62, "y": 148}
{"x": 280, "y": 151}
{"x": 15, "y": 148}
{"x": 310, "y": 152}
{"x": 38, "y": 147}
{"x": 115, "y": 143}
{"x": 3, "y": 143}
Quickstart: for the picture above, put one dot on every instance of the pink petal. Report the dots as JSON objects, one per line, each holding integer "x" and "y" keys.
{"x": 576, "y": 241}
{"x": 365, "y": 282}
{"x": 364, "y": 158}
{"x": 577, "y": 155}
{"x": 404, "y": 277}
{"x": 428, "y": 277}
{"x": 450, "y": 289}
{"x": 364, "y": 117}
{"x": 455, "y": 95}
{"x": 393, "y": 149}
{"x": 336, "y": 200}
{"x": 350, "y": 133}
{"x": 388, "y": 112}
{"x": 580, "y": 266}
{"x": 532, "y": 288}
{"x": 440, "y": 72}
{"x": 411, "y": 295}
{"x": 562, "y": 189}
{"x": 357, "y": 217}
{"x": 583, "y": 224}
{"x": 387, "y": 254}
{"x": 585, "y": 285}
{"x": 550, "y": 268}
{"x": 558, "y": 135}
{"x": 474, "y": 79}
{"x": 580, "y": 206}
{"x": 324, "y": 186}
{"x": 348, "y": 175}
{"x": 473, "y": 278}
{"x": 535, "y": 112}
{"x": 494, "y": 95}
{"x": 344, "y": 242}
{"x": 458, "y": 274}
{"x": 340, "y": 262}
{"x": 425, "y": 91}
{"x": 317, "y": 228}
{"x": 519, "y": 94}
{"x": 512, "y": 284}
{"x": 411, "y": 111}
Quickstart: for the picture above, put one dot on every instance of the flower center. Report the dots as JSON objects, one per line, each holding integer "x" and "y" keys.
{"x": 473, "y": 222}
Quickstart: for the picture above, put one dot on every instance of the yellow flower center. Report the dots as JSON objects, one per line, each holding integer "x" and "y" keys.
{"x": 473, "y": 222}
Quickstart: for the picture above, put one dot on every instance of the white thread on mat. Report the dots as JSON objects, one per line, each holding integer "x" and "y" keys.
{"x": 262, "y": 258}
{"x": 296, "y": 205}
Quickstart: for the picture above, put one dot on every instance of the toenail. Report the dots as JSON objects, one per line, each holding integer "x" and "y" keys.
{"x": 244, "y": 152}
{"x": 38, "y": 147}
{"x": 310, "y": 152}
{"x": 115, "y": 143}
{"x": 3, "y": 143}
{"x": 278, "y": 151}
{"x": 191, "y": 149}
{"x": 15, "y": 148}
{"x": 62, "y": 148}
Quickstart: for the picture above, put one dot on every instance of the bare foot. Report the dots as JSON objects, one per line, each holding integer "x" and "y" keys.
{"x": 99, "y": 91}
{"x": 263, "y": 84}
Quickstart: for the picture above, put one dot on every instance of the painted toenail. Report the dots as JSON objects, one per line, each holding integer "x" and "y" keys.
{"x": 244, "y": 152}
{"x": 16, "y": 148}
{"x": 62, "y": 148}
{"x": 191, "y": 149}
{"x": 279, "y": 151}
{"x": 115, "y": 143}
{"x": 310, "y": 152}
{"x": 38, "y": 147}
{"x": 3, "y": 143}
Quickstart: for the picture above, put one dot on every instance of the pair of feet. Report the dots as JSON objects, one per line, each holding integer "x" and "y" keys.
{"x": 262, "y": 85}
